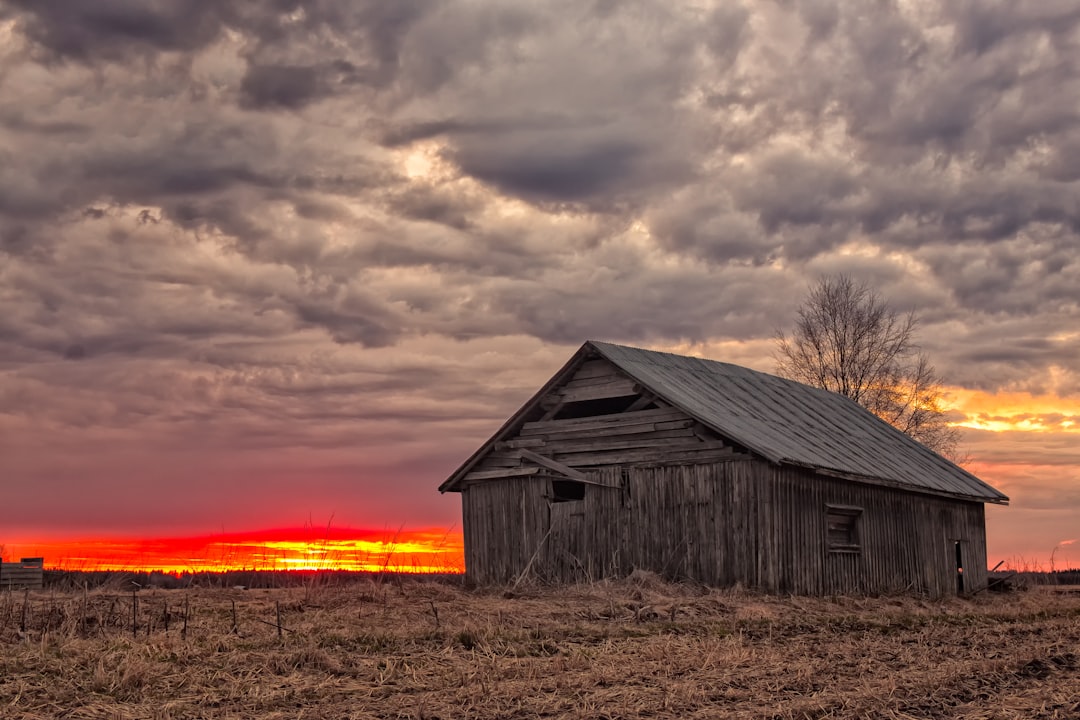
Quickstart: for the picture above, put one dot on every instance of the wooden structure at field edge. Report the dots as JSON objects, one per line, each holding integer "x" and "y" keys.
{"x": 27, "y": 574}
{"x": 629, "y": 459}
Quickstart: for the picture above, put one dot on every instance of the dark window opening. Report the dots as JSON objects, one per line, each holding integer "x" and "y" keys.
{"x": 601, "y": 406}
{"x": 842, "y": 529}
{"x": 567, "y": 491}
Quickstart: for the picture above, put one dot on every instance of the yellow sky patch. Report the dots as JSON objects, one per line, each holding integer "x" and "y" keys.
{"x": 1003, "y": 411}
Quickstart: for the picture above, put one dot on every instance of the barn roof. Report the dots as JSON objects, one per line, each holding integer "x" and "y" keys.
{"x": 781, "y": 420}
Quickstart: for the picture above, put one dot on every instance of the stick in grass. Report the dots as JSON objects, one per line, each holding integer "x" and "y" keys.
{"x": 528, "y": 566}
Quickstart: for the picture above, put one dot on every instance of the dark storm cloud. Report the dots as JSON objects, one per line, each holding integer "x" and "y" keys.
{"x": 114, "y": 29}
{"x": 792, "y": 189}
{"x": 982, "y": 26}
{"x": 705, "y": 228}
{"x": 552, "y": 172}
{"x": 255, "y": 224}
{"x": 286, "y": 86}
{"x": 352, "y": 320}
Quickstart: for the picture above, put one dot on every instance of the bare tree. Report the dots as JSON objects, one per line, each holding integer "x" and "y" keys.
{"x": 849, "y": 340}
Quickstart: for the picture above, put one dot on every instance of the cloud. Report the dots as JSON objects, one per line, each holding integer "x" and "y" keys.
{"x": 116, "y": 29}
{"x": 286, "y": 86}
{"x": 299, "y": 228}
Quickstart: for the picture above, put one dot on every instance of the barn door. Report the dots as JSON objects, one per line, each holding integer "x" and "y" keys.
{"x": 958, "y": 555}
{"x": 567, "y": 551}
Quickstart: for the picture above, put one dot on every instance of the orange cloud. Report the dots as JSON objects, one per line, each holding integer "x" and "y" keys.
{"x": 1023, "y": 411}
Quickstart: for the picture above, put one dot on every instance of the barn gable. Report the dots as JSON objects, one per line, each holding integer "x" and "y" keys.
{"x": 591, "y": 415}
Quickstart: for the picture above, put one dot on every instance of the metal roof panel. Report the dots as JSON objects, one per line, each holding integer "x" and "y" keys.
{"x": 787, "y": 422}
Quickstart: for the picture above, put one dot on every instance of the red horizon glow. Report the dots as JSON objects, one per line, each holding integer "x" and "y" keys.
{"x": 432, "y": 550}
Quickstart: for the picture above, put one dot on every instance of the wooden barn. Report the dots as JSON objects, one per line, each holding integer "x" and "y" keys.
{"x": 691, "y": 468}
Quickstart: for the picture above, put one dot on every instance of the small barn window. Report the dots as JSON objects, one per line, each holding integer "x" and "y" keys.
{"x": 842, "y": 528}
{"x": 567, "y": 490}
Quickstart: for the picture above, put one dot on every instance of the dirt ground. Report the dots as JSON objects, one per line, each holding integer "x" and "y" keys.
{"x": 635, "y": 648}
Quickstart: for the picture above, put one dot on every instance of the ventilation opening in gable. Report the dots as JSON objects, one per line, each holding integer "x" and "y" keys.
{"x": 602, "y": 406}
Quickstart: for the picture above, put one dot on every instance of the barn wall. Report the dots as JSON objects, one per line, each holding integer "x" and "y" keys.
{"x": 906, "y": 539}
{"x": 739, "y": 521}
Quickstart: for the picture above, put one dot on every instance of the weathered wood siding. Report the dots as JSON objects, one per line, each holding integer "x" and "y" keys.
{"x": 641, "y": 432}
{"x": 665, "y": 493}
{"x": 724, "y": 523}
{"x": 27, "y": 574}
{"x": 503, "y": 522}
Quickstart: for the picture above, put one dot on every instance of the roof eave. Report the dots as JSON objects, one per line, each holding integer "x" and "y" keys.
{"x": 885, "y": 482}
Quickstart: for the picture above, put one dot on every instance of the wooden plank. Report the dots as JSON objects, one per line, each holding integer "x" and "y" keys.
{"x": 498, "y": 462}
{"x": 609, "y": 430}
{"x": 551, "y": 464}
{"x": 618, "y": 457}
{"x": 708, "y": 456}
{"x": 508, "y": 453}
{"x": 576, "y": 383}
{"x": 619, "y": 388}
{"x": 529, "y": 442}
{"x": 20, "y": 575}
{"x": 603, "y": 431}
{"x": 552, "y": 409}
{"x": 595, "y": 368}
{"x": 545, "y": 426}
{"x": 507, "y": 473}
{"x": 674, "y": 424}
{"x": 552, "y": 475}
{"x": 663, "y": 438}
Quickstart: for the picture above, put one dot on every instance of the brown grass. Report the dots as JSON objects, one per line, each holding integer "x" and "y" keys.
{"x": 636, "y": 648}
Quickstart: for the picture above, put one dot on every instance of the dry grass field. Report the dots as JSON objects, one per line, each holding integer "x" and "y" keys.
{"x": 636, "y": 648}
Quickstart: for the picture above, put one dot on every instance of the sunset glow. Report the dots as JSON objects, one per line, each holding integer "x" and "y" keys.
{"x": 423, "y": 551}
{"x": 1003, "y": 411}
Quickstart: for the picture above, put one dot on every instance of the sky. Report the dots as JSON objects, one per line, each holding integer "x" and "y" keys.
{"x": 285, "y": 265}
